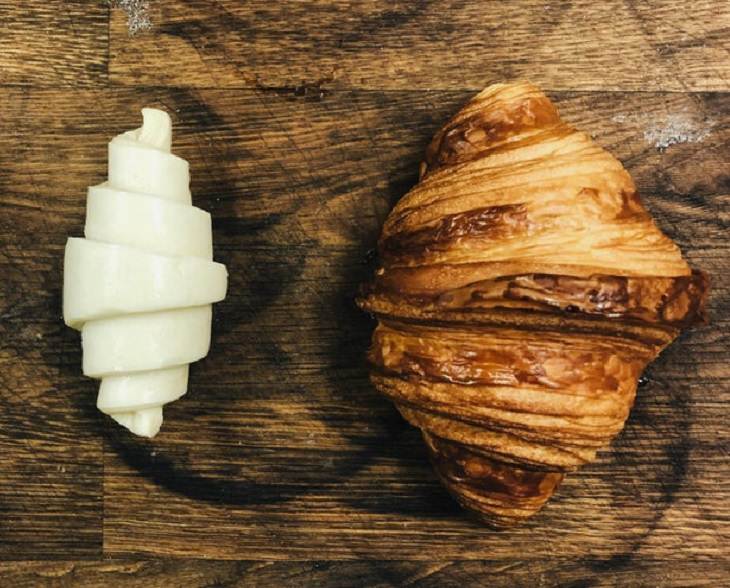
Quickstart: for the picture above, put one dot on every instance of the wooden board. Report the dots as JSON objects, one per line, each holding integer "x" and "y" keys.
{"x": 281, "y": 450}
{"x": 163, "y": 573}
{"x": 613, "y": 45}
{"x": 54, "y": 43}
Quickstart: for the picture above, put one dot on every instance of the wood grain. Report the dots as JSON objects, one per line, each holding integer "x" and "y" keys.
{"x": 281, "y": 449}
{"x": 303, "y": 123}
{"x": 374, "y": 44}
{"x": 54, "y": 42}
{"x": 163, "y": 573}
{"x": 51, "y": 492}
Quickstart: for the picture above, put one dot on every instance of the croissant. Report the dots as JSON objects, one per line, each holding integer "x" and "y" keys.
{"x": 522, "y": 288}
{"x": 140, "y": 286}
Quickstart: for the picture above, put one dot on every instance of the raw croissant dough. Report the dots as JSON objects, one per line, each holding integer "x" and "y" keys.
{"x": 140, "y": 286}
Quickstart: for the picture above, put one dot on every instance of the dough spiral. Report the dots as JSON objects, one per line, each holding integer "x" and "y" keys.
{"x": 140, "y": 286}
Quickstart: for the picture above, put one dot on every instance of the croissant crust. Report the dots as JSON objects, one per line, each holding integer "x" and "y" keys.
{"x": 522, "y": 288}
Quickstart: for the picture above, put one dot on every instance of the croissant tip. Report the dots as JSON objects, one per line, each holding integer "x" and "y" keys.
{"x": 496, "y": 492}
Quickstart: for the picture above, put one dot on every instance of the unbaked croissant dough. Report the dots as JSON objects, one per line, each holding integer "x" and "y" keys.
{"x": 140, "y": 286}
{"x": 522, "y": 289}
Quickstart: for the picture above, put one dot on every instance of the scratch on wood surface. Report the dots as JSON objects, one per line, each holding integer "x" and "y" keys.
{"x": 56, "y": 570}
{"x": 121, "y": 567}
{"x": 427, "y": 572}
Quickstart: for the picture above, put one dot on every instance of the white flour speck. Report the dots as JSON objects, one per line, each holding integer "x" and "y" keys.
{"x": 138, "y": 14}
{"x": 676, "y": 129}
{"x": 672, "y": 129}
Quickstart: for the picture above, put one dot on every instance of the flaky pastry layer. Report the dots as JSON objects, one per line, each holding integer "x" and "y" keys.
{"x": 522, "y": 289}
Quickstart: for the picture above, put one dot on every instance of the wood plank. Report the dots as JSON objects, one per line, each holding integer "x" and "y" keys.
{"x": 50, "y": 448}
{"x": 282, "y": 450}
{"x": 54, "y": 42}
{"x": 373, "y": 574}
{"x": 375, "y": 44}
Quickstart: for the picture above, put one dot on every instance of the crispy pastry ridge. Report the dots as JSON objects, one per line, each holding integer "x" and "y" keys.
{"x": 522, "y": 288}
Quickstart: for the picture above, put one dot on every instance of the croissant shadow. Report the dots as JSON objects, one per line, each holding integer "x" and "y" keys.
{"x": 176, "y": 471}
{"x": 395, "y": 441}
{"x": 663, "y": 478}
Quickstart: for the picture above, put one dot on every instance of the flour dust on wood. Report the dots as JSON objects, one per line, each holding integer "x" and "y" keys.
{"x": 138, "y": 14}
{"x": 673, "y": 129}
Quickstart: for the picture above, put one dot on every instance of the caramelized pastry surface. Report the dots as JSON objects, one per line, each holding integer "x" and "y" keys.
{"x": 522, "y": 289}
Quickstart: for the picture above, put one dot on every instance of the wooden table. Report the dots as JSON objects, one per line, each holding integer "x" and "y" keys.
{"x": 303, "y": 123}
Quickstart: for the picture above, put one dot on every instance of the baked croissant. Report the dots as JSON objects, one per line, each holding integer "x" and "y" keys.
{"x": 522, "y": 288}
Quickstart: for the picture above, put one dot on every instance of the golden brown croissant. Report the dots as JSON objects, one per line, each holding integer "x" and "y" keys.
{"x": 521, "y": 291}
